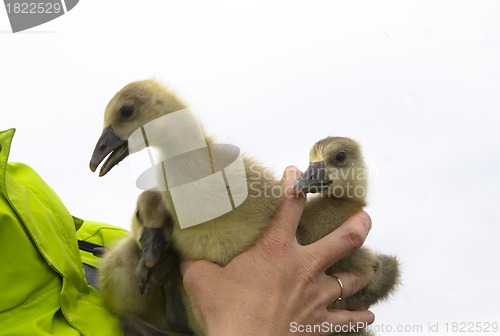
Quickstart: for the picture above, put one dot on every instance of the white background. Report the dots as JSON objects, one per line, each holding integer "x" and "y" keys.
{"x": 417, "y": 83}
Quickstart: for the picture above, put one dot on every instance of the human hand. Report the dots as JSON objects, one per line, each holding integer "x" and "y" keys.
{"x": 277, "y": 285}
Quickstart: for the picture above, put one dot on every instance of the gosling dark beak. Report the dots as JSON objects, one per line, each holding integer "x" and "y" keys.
{"x": 108, "y": 143}
{"x": 314, "y": 179}
{"x": 156, "y": 259}
{"x": 153, "y": 243}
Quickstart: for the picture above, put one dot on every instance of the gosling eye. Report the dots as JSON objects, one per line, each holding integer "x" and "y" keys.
{"x": 138, "y": 215}
{"x": 340, "y": 156}
{"x": 127, "y": 111}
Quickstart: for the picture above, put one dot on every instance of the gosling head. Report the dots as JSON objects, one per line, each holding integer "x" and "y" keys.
{"x": 336, "y": 169}
{"x": 132, "y": 107}
{"x": 152, "y": 227}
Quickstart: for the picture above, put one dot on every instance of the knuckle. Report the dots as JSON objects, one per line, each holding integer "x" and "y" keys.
{"x": 357, "y": 229}
{"x": 355, "y": 237}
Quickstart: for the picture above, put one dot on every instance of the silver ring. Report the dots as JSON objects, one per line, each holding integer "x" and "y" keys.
{"x": 341, "y": 288}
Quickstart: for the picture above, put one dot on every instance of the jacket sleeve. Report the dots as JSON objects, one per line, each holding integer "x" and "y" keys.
{"x": 44, "y": 291}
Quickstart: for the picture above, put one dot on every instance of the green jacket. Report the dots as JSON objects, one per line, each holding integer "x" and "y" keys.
{"x": 42, "y": 282}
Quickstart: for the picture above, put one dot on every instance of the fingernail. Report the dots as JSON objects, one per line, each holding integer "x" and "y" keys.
{"x": 368, "y": 222}
{"x": 371, "y": 316}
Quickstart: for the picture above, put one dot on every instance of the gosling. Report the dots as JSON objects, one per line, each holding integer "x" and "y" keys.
{"x": 337, "y": 175}
{"x": 140, "y": 279}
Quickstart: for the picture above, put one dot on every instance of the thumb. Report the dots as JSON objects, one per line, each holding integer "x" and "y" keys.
{"x": 287, "y": 216}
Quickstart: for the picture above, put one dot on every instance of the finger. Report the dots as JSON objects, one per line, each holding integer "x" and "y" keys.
{"x": 286, "y": 218}
{"x": 339, "y": 243}
{"x": 340, "y": 286}
{"x": 347, "y": 284}
{"x": 345, "y": 321}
